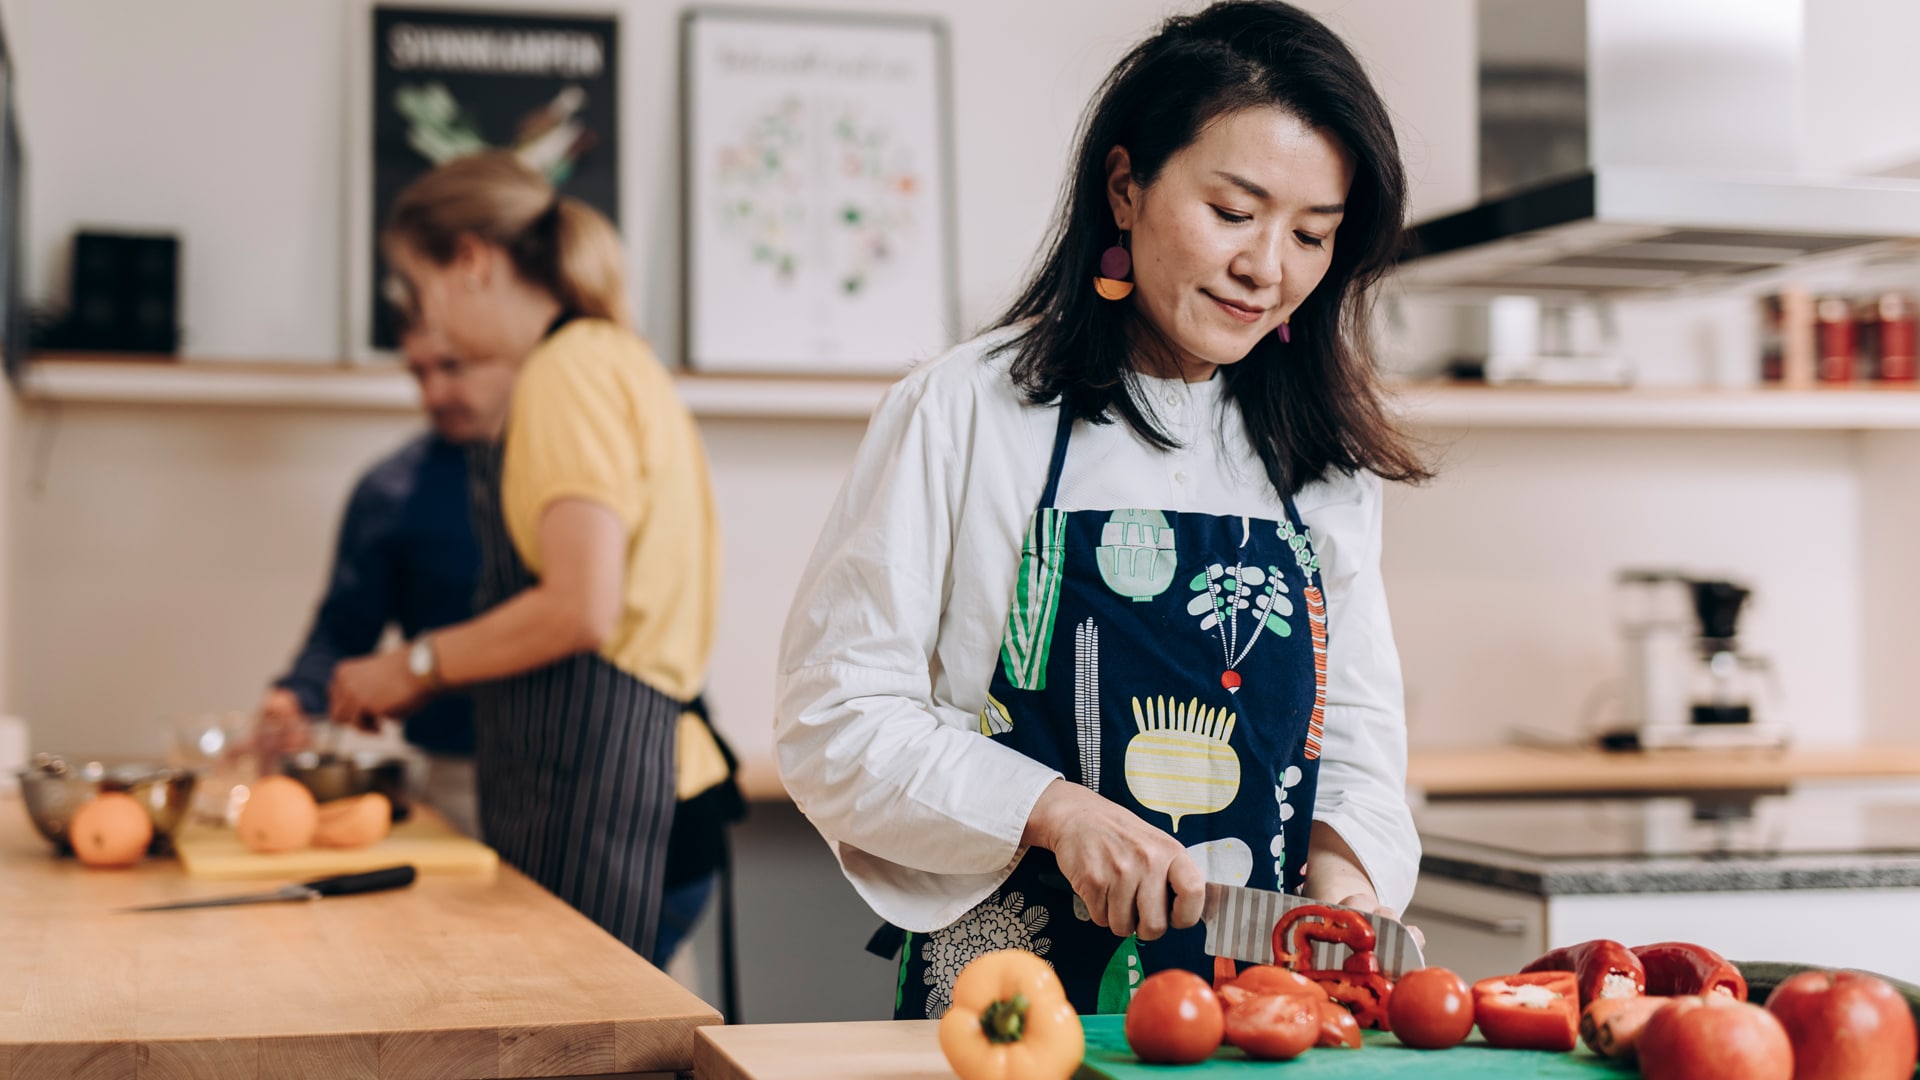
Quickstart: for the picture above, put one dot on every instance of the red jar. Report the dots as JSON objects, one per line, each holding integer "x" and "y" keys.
{"x": 1895, "y": 315}
{"x": 1834, "y": 340}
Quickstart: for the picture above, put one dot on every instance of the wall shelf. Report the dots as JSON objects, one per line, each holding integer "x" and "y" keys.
{"x": 1677, "y": 409}
{"x": 311, "y": 385}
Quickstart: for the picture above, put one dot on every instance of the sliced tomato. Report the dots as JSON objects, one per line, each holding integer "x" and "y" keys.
{"x": 1274, "y": 1027}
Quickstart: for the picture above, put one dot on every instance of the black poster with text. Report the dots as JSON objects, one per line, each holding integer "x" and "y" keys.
{"x": 450, "y": 83}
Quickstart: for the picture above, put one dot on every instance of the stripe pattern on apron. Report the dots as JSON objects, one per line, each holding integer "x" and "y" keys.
{"x": 575, "y": 759}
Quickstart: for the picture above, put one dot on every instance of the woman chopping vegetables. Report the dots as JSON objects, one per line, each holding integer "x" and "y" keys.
{"x": 1098, "y": 617}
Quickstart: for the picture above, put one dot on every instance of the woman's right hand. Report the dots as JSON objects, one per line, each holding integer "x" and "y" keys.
{"x": 1121, "y": 867}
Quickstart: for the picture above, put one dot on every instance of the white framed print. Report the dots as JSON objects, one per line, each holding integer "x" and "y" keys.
{"x": 818, "y": 193}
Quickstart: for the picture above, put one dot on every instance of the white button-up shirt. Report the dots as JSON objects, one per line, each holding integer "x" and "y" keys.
{"x": 896, "y": 627}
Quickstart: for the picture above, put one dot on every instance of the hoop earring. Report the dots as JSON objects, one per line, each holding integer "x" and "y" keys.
{"x": 1116, "y": 263}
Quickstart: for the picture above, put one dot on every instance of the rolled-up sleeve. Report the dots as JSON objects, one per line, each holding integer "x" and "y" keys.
{"x": 901, "y": 785}
{"x": 1363, "y": 762}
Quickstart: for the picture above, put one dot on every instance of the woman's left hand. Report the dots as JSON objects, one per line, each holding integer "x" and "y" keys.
{"x": 371, "y": 687}
{"x": 1371, "y": 904}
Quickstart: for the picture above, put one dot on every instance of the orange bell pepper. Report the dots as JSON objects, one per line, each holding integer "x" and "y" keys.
{"x": 1011, "y": 1020}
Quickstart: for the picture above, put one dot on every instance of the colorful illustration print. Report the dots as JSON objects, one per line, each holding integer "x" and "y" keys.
{"x": 1301, "y": 543}
{"x": 1287, "y": 782}
{"x": 1036, "y": 600}
{"x": 1121, "y": 978}
{"x": 1181, "y": 762}
{"x": 1223, "y": 592}
{"x": 1137, "y": 554}
{"x": 1226, "y": 861}
{"x": 1001, "y": 921}
{"x": 1086, "y": 701}
{"x": 994, "y": 717}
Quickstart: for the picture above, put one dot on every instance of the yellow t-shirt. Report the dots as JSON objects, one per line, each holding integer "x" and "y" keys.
{"x": 595, "y": 417}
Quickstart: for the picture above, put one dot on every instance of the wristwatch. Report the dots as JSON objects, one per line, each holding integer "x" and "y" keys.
{"x": 423, "y": 662}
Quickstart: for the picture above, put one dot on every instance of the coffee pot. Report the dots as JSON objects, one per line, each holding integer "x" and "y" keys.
{"x": 1688, "y": 682}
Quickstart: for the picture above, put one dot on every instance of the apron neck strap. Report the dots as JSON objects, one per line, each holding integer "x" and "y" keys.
{"x": 1061, "y": 435}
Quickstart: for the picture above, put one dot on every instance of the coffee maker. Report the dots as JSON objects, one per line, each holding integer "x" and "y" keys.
{"x": 1688, "y": 683}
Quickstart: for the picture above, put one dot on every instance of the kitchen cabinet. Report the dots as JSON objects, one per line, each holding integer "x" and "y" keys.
{"x": 455, "y": 976}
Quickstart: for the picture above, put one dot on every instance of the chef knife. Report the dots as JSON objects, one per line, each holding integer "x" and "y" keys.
{"x": 392, "y": 877}
{"x": 1240, "y": 924}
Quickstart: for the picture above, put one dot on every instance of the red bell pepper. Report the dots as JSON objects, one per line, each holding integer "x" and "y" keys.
{"x": 1319, "y": 922}
{"x": 1677, "y": 969}
{"x": 1365, "y": 995}
{"x": 1604, "y": 969}
{"x": 1537, "y": 1010}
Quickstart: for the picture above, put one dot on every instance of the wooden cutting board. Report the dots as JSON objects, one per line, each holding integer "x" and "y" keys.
{"x": 1383, "y": 1056}
{"x": 427, "y": 842}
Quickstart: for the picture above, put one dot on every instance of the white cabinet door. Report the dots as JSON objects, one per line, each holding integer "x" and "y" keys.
{"x": 1872, "y": 929}
{"x": 1478, "y": 932}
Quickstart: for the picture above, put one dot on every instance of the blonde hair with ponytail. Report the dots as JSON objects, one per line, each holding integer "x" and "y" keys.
{"x": 555, "y": 241}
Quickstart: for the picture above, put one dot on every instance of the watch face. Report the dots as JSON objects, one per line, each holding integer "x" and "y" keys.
{"x": 420, "y": 659}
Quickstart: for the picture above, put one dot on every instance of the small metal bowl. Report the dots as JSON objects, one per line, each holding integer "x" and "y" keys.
{"x": 54, "y": 787}
{"x": 341, "y": 776}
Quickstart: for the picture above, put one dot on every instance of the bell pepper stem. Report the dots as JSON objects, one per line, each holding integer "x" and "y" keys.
{"x": 1005, "y": 1020}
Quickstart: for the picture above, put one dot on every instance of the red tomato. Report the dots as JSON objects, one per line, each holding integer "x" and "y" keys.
{"x": 1174, "y": 1019}
{"x": 1845, "y": 1026}
{"x": 1714, "y": 1038}
{"x": 1431, "y": 1009}
{"x": 1337, "y": 1025}
{"x": 1274, "y": 1027}
{"x": 1267, "y": 979}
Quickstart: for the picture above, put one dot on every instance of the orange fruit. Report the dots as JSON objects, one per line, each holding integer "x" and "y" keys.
{"x": 355, "y": 821}
{"x": 111, "y": 829}
{"x": 280, "y": 815}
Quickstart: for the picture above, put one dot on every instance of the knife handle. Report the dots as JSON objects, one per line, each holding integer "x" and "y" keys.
{"x": 392, "y": 877}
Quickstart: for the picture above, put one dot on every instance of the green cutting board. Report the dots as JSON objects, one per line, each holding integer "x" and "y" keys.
{"x": 1109, "y": 1059}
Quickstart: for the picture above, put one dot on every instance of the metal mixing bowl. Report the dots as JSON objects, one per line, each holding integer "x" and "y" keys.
{"x": 339, "y": 776}
{"x": 54, "y": 787}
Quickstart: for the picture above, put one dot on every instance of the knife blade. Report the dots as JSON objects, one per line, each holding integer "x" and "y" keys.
{"x": 391, "y": 877}
{"x": 1240, "y": 924}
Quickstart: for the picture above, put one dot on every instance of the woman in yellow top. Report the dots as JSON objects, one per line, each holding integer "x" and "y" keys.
{"x": 600, "y": 552}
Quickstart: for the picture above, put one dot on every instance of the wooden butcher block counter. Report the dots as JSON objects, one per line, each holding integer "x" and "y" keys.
{"x": 455, "y": 976}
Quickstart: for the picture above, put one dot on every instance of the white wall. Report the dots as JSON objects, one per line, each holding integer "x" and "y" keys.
{"x": 1500, "y": 572}
{"x": 225, "y": 119}
{"x": 183, "y": 549}
{"x": 165, "y": 559}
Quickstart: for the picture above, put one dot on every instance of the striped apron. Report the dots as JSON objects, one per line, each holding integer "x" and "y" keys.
{"x": 575, "y": 759}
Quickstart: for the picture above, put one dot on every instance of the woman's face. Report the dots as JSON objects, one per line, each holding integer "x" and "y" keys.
{"x": 457, "y": 301}
{"x": 1234, "y": 233}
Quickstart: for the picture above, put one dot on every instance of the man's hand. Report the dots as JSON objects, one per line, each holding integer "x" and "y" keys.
{"x": 370, "y": 688}
{"x": 1121, "y": 867}
{"x": 280, "y": 727}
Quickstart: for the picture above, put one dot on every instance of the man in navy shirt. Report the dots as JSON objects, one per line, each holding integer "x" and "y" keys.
{"x": 407, "y": 556}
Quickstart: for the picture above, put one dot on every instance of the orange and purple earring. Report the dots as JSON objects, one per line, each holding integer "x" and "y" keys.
{"x": 1115, "y": 264}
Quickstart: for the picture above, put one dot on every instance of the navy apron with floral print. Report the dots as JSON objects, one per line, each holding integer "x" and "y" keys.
{"x": 1176, "y": 664}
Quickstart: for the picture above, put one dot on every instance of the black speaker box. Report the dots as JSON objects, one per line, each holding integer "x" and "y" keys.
{"x": 126, "y": 293}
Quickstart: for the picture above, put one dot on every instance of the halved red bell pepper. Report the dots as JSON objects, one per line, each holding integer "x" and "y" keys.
{"x": 1678, "y": 969}
{"x": 1538, "y": 1010}
{"x": 1364, "y": 994}
{"x": 1604, "y": 969}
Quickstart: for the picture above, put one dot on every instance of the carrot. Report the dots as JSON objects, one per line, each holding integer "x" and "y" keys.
{"x": 1611, "y": 1027}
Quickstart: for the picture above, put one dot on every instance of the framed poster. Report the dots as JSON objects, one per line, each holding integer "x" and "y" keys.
{"x": 818, "y": 223}
{"x": 440, "y": 83}
{"x": 15, "y": 325}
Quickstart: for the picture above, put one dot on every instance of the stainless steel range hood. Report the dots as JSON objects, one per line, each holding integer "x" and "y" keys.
{"x": 1643, "y": 144}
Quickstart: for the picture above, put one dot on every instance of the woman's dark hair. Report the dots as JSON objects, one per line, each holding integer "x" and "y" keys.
{"x": 1310, "y": 406}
